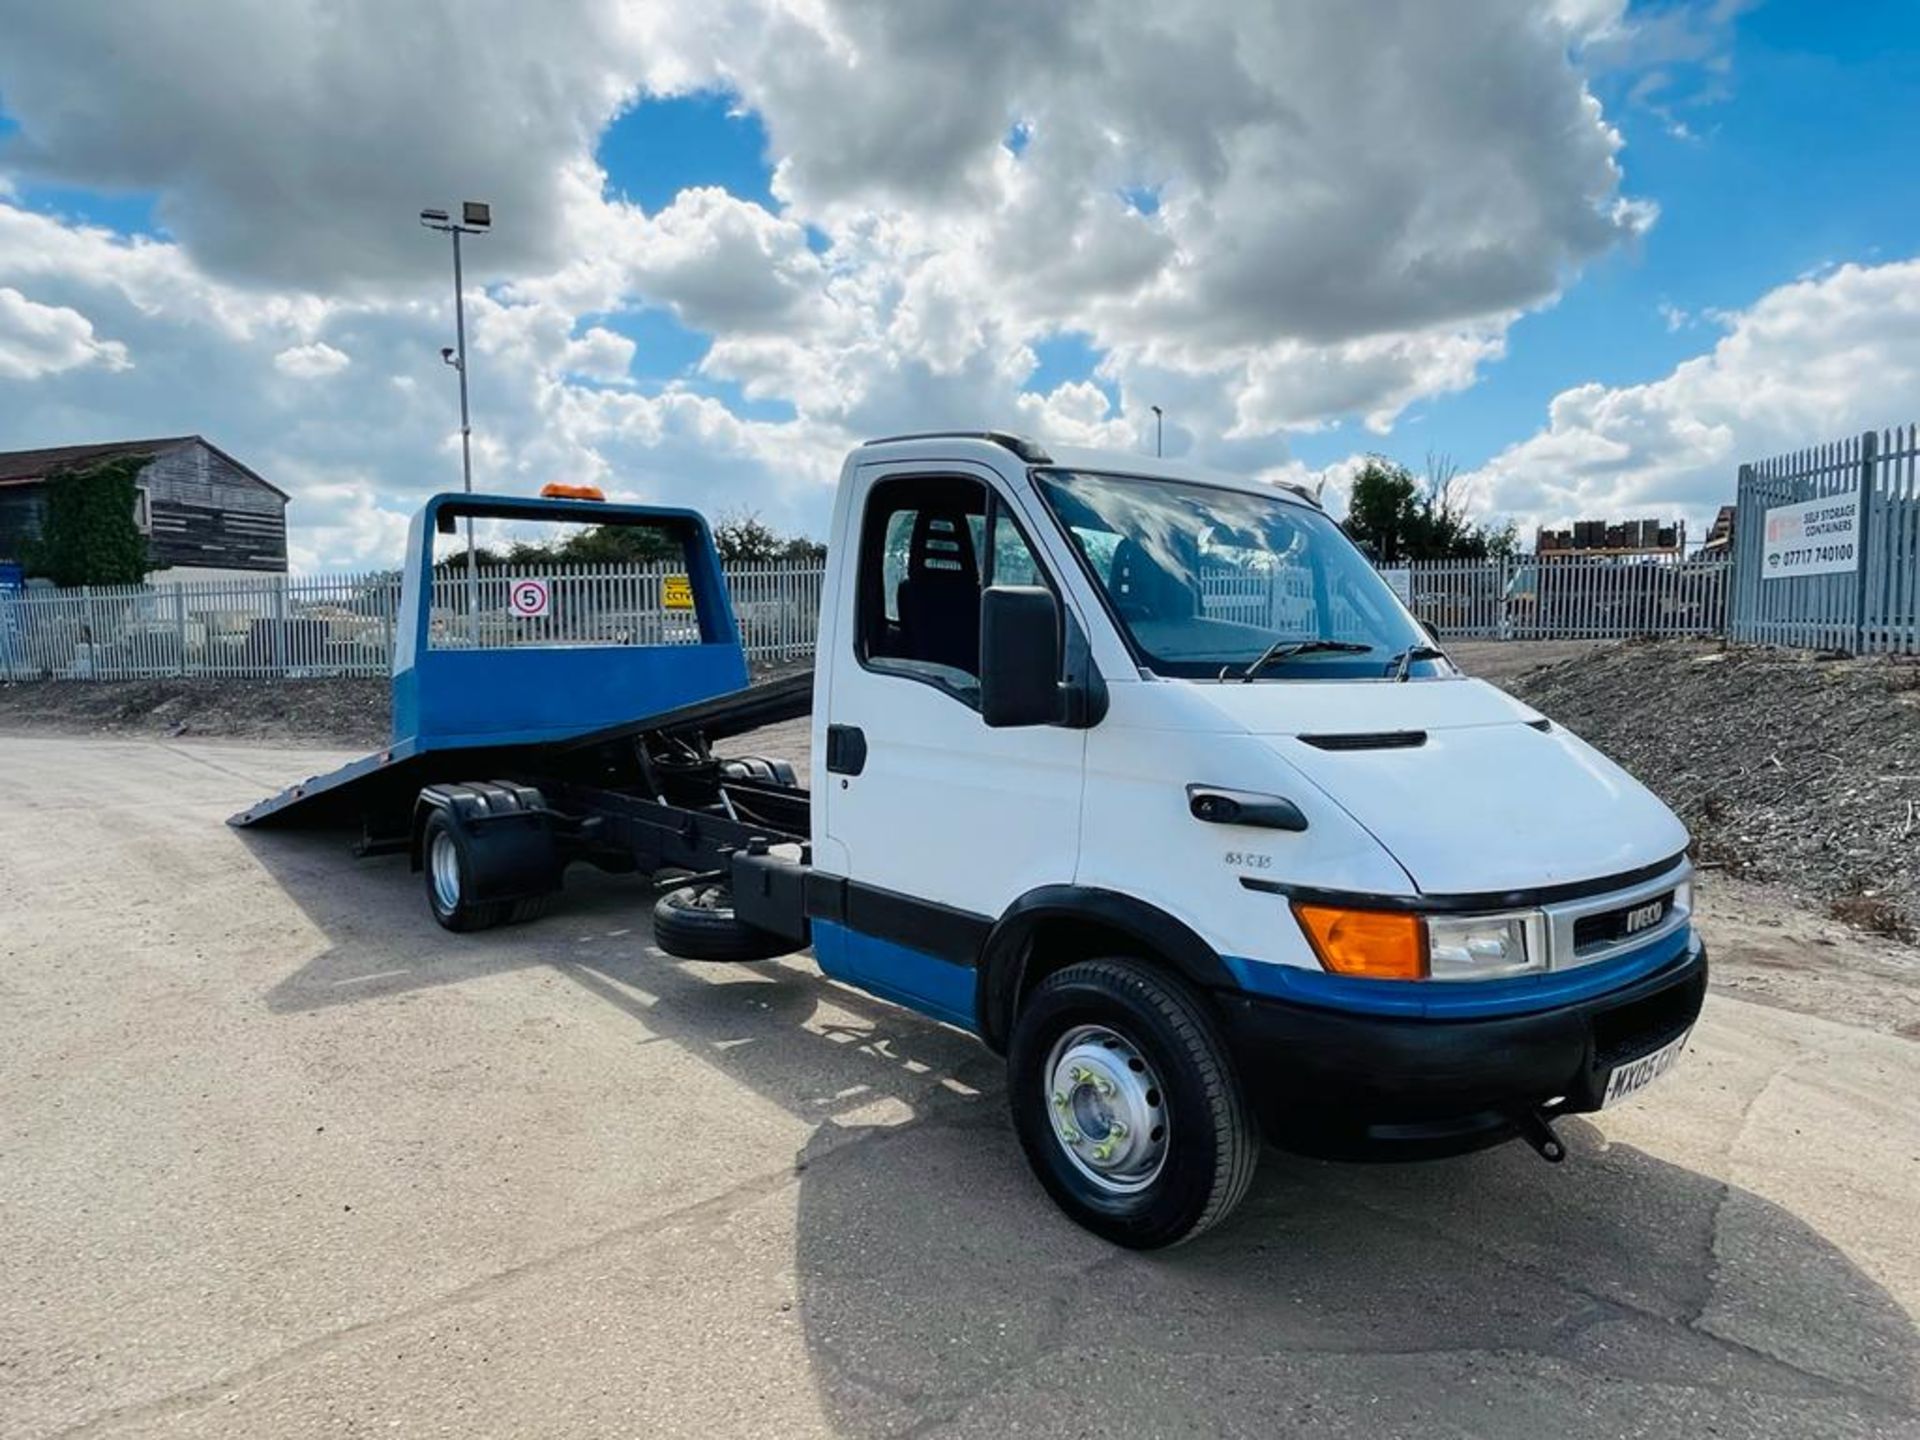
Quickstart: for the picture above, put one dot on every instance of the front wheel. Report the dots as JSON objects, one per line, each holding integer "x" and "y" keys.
{"x": 1127, "y": 1106}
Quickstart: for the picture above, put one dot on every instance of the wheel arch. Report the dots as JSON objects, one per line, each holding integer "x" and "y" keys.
{"x": 429, "y": 800}
{"x": 1057, "y": 925}
{"x": 505, "y": 829}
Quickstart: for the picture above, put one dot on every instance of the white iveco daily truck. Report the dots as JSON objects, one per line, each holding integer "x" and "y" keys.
{"x": 1145, "y": 777}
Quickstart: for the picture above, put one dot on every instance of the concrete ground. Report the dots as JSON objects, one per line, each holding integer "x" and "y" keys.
{"x": 278, "y": 1157}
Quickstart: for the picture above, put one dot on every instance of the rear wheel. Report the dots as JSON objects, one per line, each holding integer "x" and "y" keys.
{"x": 449, "y": 874}
{"x": 696, "y": 922}
{"x": 1127, "y": 1106}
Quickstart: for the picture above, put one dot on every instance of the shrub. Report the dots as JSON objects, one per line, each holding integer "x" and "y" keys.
{"x": 88, "y": 534}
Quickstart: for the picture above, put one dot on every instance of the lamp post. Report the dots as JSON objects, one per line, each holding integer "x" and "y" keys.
{"x": 476, "y": 218}
{"x": 1159, "y": 428}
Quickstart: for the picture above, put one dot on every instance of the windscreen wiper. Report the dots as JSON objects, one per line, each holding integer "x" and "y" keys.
{"x": 1403, "y": 662}
{"x": 1287, "y": 649}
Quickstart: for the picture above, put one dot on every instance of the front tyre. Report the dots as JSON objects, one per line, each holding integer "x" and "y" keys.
{"x": 1127, "y": 1105}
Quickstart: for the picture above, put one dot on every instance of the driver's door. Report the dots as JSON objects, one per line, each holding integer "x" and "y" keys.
{"x": 940, "y": 822}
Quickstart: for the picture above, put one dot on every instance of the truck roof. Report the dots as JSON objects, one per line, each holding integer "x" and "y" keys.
{"x": 991, "y": 447}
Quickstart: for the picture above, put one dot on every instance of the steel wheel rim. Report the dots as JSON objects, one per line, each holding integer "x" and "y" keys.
{"x": 444, "y": 863}
{"x": 1107, "y": 1109}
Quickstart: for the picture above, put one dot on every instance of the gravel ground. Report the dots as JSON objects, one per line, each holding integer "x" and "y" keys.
{"x": 1790, "y": 769}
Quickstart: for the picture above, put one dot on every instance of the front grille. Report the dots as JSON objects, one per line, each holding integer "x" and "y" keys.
{"x": 1609, "y": 926}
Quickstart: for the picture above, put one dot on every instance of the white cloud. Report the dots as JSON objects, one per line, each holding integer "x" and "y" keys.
{"x": 38, "y": 339}
{"x": 1351, "y": 206}
{"x": 313, "y": 361}
{"x": 1312, "y": 181}
{"x": 1811, "y": 361}
{"x": 153, "y": 277}
{"x": 294, "y": 143}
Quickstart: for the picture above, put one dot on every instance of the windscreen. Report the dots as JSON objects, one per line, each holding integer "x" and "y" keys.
{"x": 1205, "y": 580}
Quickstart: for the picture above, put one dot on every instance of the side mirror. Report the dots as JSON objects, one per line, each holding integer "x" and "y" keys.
{"x": 1020, "y": 656}
{"x": 1431, "y": 627}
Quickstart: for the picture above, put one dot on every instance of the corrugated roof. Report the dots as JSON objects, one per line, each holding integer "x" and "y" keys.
{"x": 23, "y": 466}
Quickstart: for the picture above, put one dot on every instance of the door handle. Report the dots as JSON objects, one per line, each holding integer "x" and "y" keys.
{"x": 846, "y": 749}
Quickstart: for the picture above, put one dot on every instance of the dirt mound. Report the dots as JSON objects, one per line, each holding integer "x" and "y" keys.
{"x": 1787, "y": 768}
{"x": 349, "y": 713}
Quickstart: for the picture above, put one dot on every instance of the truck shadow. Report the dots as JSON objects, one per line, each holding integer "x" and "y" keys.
{"x": 1616, "y": 1293}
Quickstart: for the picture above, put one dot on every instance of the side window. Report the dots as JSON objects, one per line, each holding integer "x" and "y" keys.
{"x": 1013, "y": 562}
{"x": 925, "y": 557}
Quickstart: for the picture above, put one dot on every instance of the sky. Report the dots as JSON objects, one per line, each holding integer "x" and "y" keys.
{"x": 1594, "y": 254}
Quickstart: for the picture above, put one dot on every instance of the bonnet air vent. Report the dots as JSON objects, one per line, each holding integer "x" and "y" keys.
{"x": 1369, "y": 740}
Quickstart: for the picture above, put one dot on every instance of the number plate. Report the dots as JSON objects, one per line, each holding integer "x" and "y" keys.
{"x": 1636, "y": 1075}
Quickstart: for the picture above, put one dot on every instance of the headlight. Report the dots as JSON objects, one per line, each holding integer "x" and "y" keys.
{"x": 1484, "y": 947}
{"x": 1396, "y": 945}
{"x": 1683, "y": 897}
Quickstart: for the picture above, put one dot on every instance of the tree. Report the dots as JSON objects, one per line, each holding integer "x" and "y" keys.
{"x": 801, "y": 550}
{"x": 603, "y": 545}
{"x": 743, "y": 538}
{"x": 589, "y": 545}
{"x": 1383, "y": 509}
{"x": 1401, "y": 519}
{"x": 89, "y": 534}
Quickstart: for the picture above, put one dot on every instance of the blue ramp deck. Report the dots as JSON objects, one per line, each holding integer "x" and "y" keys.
{"x": 465, "y": 713}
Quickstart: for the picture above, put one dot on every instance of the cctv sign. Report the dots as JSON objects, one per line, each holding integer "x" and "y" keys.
{"x": 529, "y": 599}
{"x": 1815, "y": 537}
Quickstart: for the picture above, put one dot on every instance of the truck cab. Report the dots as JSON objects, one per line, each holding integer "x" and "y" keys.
{"x": 1143, "y": 775}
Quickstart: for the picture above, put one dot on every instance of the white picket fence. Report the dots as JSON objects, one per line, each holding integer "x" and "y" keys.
{"x": 277, "y": 625}
{"x": 344, "y": 624}
{"x": 1563, "y": 596}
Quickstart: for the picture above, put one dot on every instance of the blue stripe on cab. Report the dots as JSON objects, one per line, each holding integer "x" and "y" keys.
{"x": 894, "y": 972}
{"x": 1455, "y": 999}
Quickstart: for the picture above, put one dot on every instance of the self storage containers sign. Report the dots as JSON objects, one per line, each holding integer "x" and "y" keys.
{"x": 1815, "y": 537}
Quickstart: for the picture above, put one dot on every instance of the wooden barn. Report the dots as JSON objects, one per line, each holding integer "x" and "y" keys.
{"x": 204, "y": 513}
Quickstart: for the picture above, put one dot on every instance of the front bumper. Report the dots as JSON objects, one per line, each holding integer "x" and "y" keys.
{"x": 1371, "y": 1086}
